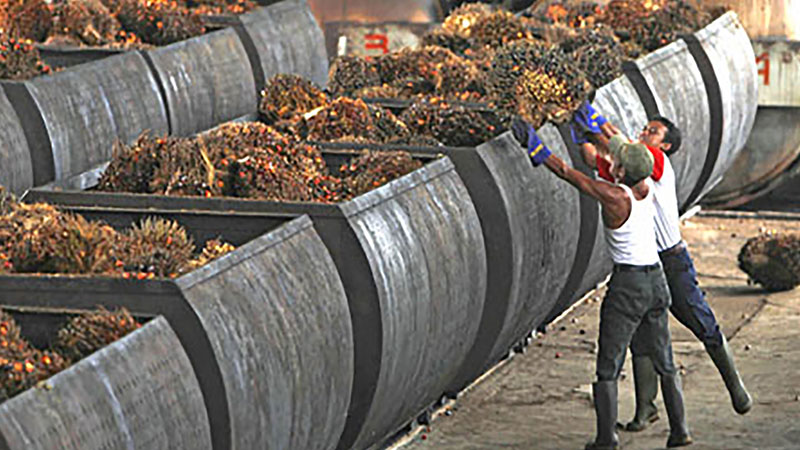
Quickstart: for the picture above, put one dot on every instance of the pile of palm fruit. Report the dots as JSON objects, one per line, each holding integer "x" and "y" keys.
{"x": 772, "y": 260}
{"x": 19, "y": 59}
{"x": 453, "y": 125}
{"x": 541, "y": 65}
{"x": 112, "y": 23}
{"x": 22, "y": 365}
{"x": 254, "y": 160}
{"x": 643, "y": 25}
{"x": 427, "y": 70}
{"x": 38, "y": 238}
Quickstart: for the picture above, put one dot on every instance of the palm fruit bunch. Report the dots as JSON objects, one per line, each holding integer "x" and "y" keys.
{"x": 265, "y": 175}
{"x": 461, "y": 19}
{"x": 442, "y": 37}
{"x": 287, "y": 96}
{"x": 375, "y": 168}
{"x": 651, "y": 24}
{"x": 12, "y": 344}
{"x": 218, "y": 7}
{"x": 433, "y": 70}
{"x": 537, "y": 81}
{"x": 26, "y": 19}
{"x": 348, "y": 74}
{"x": 213, "y": 249}
{"x": 7, "y": 200}
{"x": 161, "y": 165}
{"x": 155, "y": 247}
{"x": 225, "y": 139}
{"x": 598, "y": 54}
{"x": 88, "y": 22}
{"x": 24, "y": 372}
{"x": 772, "y": 260}
{"x": 346, "y": 117}
{"x": 453, "y": 125}
{"x": 86, "y": 333}
{"x": 259, "y": 162}
{"x": 184, "y": 169}
{"x": 19, "y": 59}
{"x": 21, "y": 365}
{"x": 570, "y": 14}
{"x": 39, "y": 239}
{"x": 497, "y": 29}
{"x": 159, "y": 22}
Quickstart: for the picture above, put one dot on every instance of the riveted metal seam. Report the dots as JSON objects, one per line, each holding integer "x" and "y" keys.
{"x": 40, "y": 147}
{"x": 162, "y": 90}
{"x": 634, "y": 75}
{"x": 590, "y": 219}
{"x": 714, "y": 95}
{"x": 251, "y": 51}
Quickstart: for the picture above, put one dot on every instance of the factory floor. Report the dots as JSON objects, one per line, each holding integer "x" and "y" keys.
{"x": 541, "y": 399}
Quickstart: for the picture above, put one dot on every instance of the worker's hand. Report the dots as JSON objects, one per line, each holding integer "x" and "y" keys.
{"x": 577, "y": 134}
{"x": 520, "y": 130}
{"x": 526, "y": 135}
{"x": 589, "y": 119}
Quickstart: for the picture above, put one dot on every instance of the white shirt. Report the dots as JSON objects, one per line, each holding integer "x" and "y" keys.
{"x": 667, "y": 219}
{"x": 668, "y": 231}
{"x": 635, "y": 241}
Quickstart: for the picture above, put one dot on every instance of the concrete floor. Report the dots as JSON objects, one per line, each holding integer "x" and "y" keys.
{"x": 541, "y": 399}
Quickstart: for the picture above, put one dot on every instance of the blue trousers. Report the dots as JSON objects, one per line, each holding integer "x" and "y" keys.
{"x": 689, "y": 304}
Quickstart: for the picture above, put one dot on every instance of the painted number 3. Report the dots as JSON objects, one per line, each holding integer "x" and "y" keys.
{"x": 377, "y": 42}
{"x": 762, "y": 62}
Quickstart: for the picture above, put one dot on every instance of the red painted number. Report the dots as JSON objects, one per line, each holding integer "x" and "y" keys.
{"x": 763, "y": 71}
{"x": 377, "y": 42}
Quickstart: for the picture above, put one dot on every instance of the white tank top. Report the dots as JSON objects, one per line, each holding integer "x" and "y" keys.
{"x": 668, "y": 231}
{"x": 635, "y": 241}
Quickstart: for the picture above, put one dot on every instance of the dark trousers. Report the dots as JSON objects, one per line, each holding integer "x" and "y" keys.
{"x": 689, "y": 304}
{"x": 634, "y": 312}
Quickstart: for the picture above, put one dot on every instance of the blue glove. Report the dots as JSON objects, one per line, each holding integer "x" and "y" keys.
{"x": 526, "y": 135}
{"x": 578, "y": 136}
{"x": 537, "y": 151}
{"x": 589, "y": 119}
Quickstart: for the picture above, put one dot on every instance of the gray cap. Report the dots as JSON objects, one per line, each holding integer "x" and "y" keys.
{"x": 633, "y": 156}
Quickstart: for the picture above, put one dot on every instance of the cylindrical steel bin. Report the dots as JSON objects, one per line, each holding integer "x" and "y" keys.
{"x": 287, "y": 39}
{"x": 139, "y": 392}
{"x": 16, "y": 167}
{"x": 402, "y": 251}
{"x": 709, "y": 90}
{"x": 266, "y": 328}
{"x": 79, "y": 114}
{"x": 765, "y": 163}
{"x": 206, "y": 80}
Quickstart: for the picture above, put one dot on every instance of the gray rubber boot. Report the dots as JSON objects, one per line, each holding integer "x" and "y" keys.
{"x": 645, "y": 383}
{"x": 605, "y": 406}
{"x": 723, "y": 359}
{"x": 673, "y": 401}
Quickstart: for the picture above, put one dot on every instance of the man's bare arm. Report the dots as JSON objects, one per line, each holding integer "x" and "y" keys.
{"x": 589, "y": 154}
{"x": 616, "y": 205}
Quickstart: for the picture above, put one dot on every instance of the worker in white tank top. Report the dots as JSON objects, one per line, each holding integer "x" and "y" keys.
{"x": 636, "y": 303}
{"x": 689, "y": 305}
{"x": 634, "y": 242}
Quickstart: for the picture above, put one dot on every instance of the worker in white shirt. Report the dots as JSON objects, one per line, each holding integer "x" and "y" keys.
{"x": 689, "y": 305}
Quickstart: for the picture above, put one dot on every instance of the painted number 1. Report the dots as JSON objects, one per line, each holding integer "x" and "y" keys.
{"x": 763, "y": 71}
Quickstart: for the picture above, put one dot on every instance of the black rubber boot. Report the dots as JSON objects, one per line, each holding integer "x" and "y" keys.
{"x": 723, "y": 359}
{"x": 645, "y": 382}
{"x": 605, "y": 406}
{"x": 673, "y": 401}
